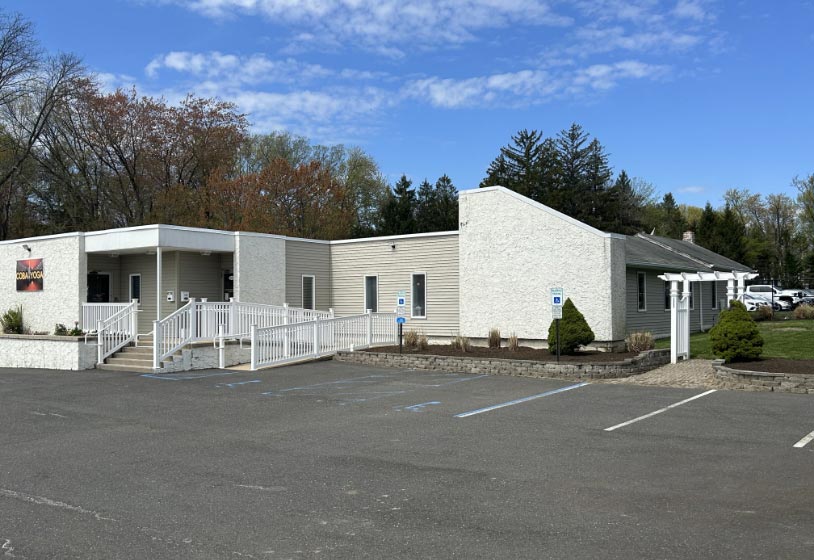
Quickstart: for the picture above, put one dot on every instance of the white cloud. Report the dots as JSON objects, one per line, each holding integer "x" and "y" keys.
{"x": 691, "y": 9}
{"x": 528, "y": 87}
{"x": 380, "y": 24}
{"x": 691, "y": 190}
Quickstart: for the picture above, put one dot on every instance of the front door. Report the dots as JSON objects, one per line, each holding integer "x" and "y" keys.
{"x": 98, "y": 288}
{"x": 228, "y": 285}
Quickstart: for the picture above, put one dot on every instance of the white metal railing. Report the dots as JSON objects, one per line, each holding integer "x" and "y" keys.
{"x": 204, "y": 320}
{"x": 116, "y": 331}
{"x": 320, "y": 337}
{"x": 92, "y": 313}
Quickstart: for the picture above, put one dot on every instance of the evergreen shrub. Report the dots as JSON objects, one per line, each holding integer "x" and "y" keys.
{"x": 574, "y": 330}
{"x": 736, "y": 336}
{"x": 12, "y": 321}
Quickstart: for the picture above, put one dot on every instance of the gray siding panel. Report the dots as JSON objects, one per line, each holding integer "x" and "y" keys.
{"x": 112, "y": 266}
{"x": 435, "y": 256}
{"x": 302, "y": 257}
{"x": 201, "y": 276}
{"x": 656, "y": 318}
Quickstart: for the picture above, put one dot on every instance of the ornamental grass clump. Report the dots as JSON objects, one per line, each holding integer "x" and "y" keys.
{"x": 763, "y": 313}
{"x": 411, "y": 339}
{"x": 804, "y": 311}
{"x": 494, "y": 338}
{"x": 513, "y": 343}
{"x": 640, "y": 341}
{"x": 736, "y": 336}
{"x": 461, "y": 343}
{"x": 574, "y": 330}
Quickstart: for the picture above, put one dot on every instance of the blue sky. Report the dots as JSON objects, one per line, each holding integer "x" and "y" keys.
{"x": 694, "y": 96}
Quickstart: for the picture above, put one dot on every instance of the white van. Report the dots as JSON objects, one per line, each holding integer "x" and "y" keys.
{"x": 771, "y": 294}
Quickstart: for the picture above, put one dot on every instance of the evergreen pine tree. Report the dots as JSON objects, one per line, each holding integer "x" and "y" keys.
{"x": 596, "y": 211}
{"x": 446, "y": 204}
{"x": 731, "y": 234}
{"x": 498, "y": 174}
{"x": 707, "y": 229}
{"x": 398, "y": 212}
{"x": 573, "y": 158}
{"x": 425, "y": 207}
{"x": 673, "y": 222}
{"x": 622, "y": 207}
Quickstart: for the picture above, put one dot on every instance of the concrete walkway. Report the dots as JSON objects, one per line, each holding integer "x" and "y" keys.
{"x": 690, "y": 374}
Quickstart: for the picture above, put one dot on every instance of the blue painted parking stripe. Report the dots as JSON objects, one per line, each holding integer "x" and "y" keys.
{"x": 518, "y": 401}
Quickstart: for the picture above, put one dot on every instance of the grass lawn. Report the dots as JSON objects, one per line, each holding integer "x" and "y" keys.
{"x": 781, "y": 339}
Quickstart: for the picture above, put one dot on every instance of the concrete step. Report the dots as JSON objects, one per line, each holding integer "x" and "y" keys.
{"x": 129, "y": 361}
{"x": 134, "y": 369}
{"x": 146, "y": 350}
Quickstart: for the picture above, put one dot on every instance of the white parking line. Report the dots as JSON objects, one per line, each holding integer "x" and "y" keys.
{"x": 666, "y": 408}
{"x": 518, "y": 401}
{"x": 803, "y": 442}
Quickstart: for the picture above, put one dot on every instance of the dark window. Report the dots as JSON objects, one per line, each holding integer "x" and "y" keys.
{"x": 372, "y": 293}
{"x": 666, "y": 295}
{"x": 419, "y": 299}
{"x": 135, "y": 287}
{"x": 714, "y": 295}
{"x": 308, "y": 295}
{"x": 642, "y": 279}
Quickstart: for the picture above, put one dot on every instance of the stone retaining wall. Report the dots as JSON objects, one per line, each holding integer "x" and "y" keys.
{"x": 47, "y": 352}
{"x": 762, "y": 381}
{"x": 526, "y": 368}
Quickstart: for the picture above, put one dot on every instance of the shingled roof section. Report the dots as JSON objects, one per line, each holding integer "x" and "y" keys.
{"x": 640, "y": 251}
{"x": 692, "y": 251}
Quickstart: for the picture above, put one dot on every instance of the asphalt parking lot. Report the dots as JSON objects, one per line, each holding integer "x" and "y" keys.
{"x": 332, "y": 460}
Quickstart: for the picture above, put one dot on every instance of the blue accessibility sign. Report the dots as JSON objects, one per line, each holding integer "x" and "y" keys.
{"x": 401, "y": 320}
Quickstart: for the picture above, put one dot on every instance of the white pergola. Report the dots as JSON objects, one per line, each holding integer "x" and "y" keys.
{"x": 680, "y": 303}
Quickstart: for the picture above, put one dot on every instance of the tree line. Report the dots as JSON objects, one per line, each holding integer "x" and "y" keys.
{"x": 74, "y": 157}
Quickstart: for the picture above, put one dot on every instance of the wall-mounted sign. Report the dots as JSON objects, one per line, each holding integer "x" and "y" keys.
{"x": 30, "y": 275}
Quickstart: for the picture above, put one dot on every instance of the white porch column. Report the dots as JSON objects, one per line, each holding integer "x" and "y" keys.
{"x": 158, "y": 283}
{"x": 741, "y": 287}
{"x": 674, "y": 326}
{"x": 730, "y": 291}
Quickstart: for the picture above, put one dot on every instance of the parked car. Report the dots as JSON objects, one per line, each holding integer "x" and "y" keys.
{"x": 794, "y": 296}
{"x": 752, "y": 302}
{"x": 771, "y": 294}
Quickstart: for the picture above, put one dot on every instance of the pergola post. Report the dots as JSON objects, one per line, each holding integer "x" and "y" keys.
{"x": 674, "y": 295}
{"x": 730, "y": 291}
{"x": 158, "y": 283}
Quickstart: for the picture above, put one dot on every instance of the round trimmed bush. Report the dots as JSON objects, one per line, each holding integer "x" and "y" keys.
{"x": 736, "y": 336}
{"x": 574, "y": 330}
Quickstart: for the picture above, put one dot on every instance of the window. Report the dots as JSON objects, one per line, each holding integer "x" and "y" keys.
{"x": 418, "y": 299}
{"x": 692, "y": 296}
{"x": 372, "y": 293}
{"x": 135, "y": 287}
{"x": 714, "y": 287}
{"x": 308, "y": 291}
{"x": 642, "y": 281}
{"x": 666, "y": 295}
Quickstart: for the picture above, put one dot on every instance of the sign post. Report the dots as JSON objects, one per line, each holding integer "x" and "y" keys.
{"x": 401, "y": 299}
{"x": 557, "y": 301}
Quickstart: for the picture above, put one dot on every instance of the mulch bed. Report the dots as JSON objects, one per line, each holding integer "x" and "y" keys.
{"x": 775, "y": 365}
{"x": 522, "y": 353}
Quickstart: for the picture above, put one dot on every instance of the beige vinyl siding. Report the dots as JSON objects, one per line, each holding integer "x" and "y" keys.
{"x": 303, "y": 257}
{"x": 437, "y": 257}
{"x": 656, "y": 319}
{"x": 112, "y": 267}
{"x": 145, "y": 265}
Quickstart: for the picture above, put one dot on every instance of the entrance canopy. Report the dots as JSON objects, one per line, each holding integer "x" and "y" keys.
{"x": 680, "y": 303}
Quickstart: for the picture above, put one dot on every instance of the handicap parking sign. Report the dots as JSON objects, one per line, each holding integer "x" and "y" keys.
{"x": 401, "y": 320}
{"x": 557, "y": 300}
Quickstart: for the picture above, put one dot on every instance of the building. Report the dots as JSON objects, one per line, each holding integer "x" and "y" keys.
{"x": 495, "y": 272}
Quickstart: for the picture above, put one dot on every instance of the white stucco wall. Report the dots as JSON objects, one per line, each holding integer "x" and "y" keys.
{"x": 259, "y": 269}
{"x": 64, "y": 283}
{"x": 514, "y": 250}
{"x": 47, "y": 352}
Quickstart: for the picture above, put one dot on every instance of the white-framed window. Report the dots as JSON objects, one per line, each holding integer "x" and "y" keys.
{"x": 418, "y": 295}
{"x": 714, "y": 288}
{"x": 135, "y": 287}
{"x": 641, "y": 283}
{"x": 309, "y": 294}
{"x": 372, "y": 293}
{"x": 666, "y": 295}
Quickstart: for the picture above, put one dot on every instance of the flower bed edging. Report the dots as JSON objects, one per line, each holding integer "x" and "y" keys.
{"x": 647, "y": 360}
{"x": 763, "y": 381}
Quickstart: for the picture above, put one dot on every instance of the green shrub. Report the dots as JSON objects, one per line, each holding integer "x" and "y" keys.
{"x": 574, "y": 330}
{"x": 640, "y": 341}
{"x": 804, "y": 312}
{"x": 12, "y": 321}
{"x": 736, "y": 336}
{"x": 60, "y": 330}
{"x": 494, "y": 338}
{"x": 75, "y": 331}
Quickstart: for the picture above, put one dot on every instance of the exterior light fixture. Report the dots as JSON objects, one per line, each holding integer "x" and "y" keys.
{"x": 27, "y": 247}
